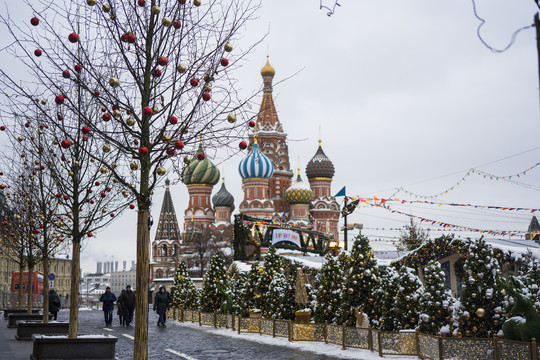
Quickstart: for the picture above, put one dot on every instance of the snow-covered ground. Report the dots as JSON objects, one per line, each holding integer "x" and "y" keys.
{"x": 309, "y": 346}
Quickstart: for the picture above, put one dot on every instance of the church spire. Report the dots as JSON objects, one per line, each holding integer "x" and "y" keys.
{"x": 167, "y": 228}
{"x": 267, "y": 120}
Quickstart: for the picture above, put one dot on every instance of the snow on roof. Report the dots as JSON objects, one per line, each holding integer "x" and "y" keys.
{"x": 314, "y": 262}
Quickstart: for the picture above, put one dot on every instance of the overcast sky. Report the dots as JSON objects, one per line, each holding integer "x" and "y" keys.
{"x": 405, "y": 95}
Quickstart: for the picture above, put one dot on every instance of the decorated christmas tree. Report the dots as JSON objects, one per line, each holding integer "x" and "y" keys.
{"x": 236, "y": 280}
{"x": 529, "y": 277}
{"x": 215, "y": 285}
{"x": 383, "y": 312}
{"x": 360, "y": 276}
{"x": 407, "y": 299}
{"x": 280, "y": 298}
{"x": 272, "y": 265}
{"x": 480, "y": 313}
{"x": 183, "y": 291}
{"x": 248, "y": 293}
{"x": 328, "y": 285}
{"x": 436, "y": 302}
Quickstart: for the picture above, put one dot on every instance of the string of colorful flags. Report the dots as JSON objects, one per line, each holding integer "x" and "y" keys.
{"x": 428, "y": 229}
{"x": 486, "y": 175}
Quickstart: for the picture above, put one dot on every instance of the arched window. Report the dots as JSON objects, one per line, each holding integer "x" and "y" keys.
{"x": 175, "y": 250}
{"x": 164, "y": 250}
{"x": 159, "y": 274}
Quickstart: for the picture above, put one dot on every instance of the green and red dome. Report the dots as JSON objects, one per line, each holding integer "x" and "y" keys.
{"x": 320, "y": 165}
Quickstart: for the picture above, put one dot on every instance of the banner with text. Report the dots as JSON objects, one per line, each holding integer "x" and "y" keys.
{"x": 279, "y": 235}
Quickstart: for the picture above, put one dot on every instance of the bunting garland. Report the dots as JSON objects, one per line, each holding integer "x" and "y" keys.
{"x": 507, "y": 178}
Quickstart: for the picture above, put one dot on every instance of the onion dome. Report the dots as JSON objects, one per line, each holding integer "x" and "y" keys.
{"x": 200, "y": 171}
{"x": 320, "y": 165}
{"x": 267, "y": 69}
{"x": 256, "y": 164}
{"x": 299, "y": 193}
{"x": 223, "y": 198}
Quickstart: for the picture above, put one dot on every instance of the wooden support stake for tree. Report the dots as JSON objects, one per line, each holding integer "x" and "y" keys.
{"x": 379, "y": 341}
{"x": 417, "y": 344}
{"x": 291, "y": 338}
{"x": 215, "y": 319}
{"x": 495, "y": 349}
{"x": 274, "y": 328}
{"x": 326, "y": 331}
{"x": 441, "y": 354}
{"x": 343, "y": 338}
{"x": 534, "y": 348}
{"x": 370, "y": 339}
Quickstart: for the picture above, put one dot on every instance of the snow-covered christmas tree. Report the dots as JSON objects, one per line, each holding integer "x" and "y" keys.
{"x": 215, "y": 283}
{"x": 436, "y": 303}
{"x": 481, "y": 312}
{"x": 328, "y": 285}
{"x": 183, "y": 291}
{"x": 247, "y": 293}
{"x": 529, "y": 276}
{"x": 360, "y": 276}
{"x": 272, "y": 265}
{"x": 407, "y": 305}
{"x": 280, "y": 298}
{"x": 383, "y": 314}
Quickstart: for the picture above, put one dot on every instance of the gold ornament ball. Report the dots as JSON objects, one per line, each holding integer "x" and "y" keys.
{"x": 155, "y": 110}
{"x": 207, "y": 88}
{"x": 480, "y": 312}
{"x": 231, "y": 118}
{"x": 104, "y": 210}
{"x": 228, "y": 47}
{"x": 187, "y": 159}
{"x": 467, "y": 333}
{"x": 106, "y": 8}
{"x": 130, "y": 121}
{"x": 103, "y": 170}
{"x": 71, "y": 173}
{"x": 19, "y": 139}
{"x": 114, "y": 165}
{"x": 166, "y": 21}
{"x": 106, "y": 148}
{"x": 156, "y": 10}
{"x": 91, "y": 2}
{"x": 161, "y": 171}
{"x": 197, "y": 2}
{"x": 133, "y": 166}
{"x": 181, "y": 68}
{"x": 166, "y": 139}
{"x": 125, "y": 193}
{"x": 116, "y": 113}
{"x": 114, "y": 82}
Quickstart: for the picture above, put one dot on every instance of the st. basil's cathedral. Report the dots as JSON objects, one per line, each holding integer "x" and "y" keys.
{"x": 267, "y": 183}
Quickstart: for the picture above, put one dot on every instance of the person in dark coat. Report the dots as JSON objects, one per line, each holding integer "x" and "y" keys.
{"x": 108, "y": 299}
{"x": 127, "y": 300}
{"x": 120, "y": 312}
{"x": 161, "y": 305}
{"x": 54, "y": 303}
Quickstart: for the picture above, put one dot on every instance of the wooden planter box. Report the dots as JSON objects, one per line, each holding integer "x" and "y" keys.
{"x": 17, "y": 311}
{"x": 13, "y": 319}
{"x": 25, "y": 329}
{"x": 87, "y": 347}
{"x": 302, "y": 317}
{"x": 255, "y": 314}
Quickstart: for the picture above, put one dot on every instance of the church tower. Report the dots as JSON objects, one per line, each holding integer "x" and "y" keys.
{"x": 167, "y": 242}
{"x": 273, "y": 143}
{"x": 299, "y": 196}
{"x": 324, "y": 208}
{"x": 223, "y": 205}
{"x": 200, "y": 176}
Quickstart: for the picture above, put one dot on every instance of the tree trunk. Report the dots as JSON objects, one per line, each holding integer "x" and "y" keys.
{"x": 74, "y": 289}
{"x": 46, "y": 290}
{"x": 29, "y": 292}
{"x": 140, "y": 347}
{"x": 21, "y": 283}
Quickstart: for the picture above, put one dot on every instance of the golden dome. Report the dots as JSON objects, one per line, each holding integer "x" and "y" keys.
{"x": 268, "y": 70}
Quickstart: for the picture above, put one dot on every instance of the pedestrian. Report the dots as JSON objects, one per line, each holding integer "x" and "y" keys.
{"x": 127, "y": 300}
{"x": 108, "y": 299}
{"x": 161, "y": 305}
{"x": 54, "y": 303}
{"x": 121, "y": 314}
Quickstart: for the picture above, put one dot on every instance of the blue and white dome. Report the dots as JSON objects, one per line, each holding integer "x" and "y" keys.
{"x": 256, "y": 165}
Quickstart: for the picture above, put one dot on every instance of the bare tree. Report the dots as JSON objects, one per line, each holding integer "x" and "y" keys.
{"x": 160, "y": 70}
{"x": 412, "y": 237}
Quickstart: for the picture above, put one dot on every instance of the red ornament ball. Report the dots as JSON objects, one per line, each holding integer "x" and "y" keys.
{"x": 171, "y": 151}
{"x": 242, "y": 145}
{"x": 59, "y": 117}
{"x": 179, "y": 145}
{"x": 90, "y": 234}
{"x": 177, "y": 24}
{"x": 96, "y": 93}
{"x": 59, "y": 100}
{"x": 85, "y": 130}
{"x": 143, "y": 151}
{"x": 78, "y": 68}
{"x": 131, "y": 38}
{"x": 73, "y": 38}
{"x": 206, "y": 96}
{"x": 66, "y": 197}
{"x": 156, "y": 73}
{"x": 37, "y": 52}
{"x": 224, "y": 62}
{"x": 181, "y": 2}
{"x": 200, "y": 156}
{"x": 66, "y": 74}
{"x": 147, "y": 111}
{"x": 141, "y": 3}
{"x": 194, "y": 82}
{"x": 131, "y": 206}
{"x": 2, "y": 128}
{"x": 173, "y": 120}
{"x": 106, "y": 117}
{"x": 34, "y": 21}
{"x": 162, "y": 60}
{"x": 124, "y": 38}
{"x": 103, "y": 195}
{"x": 252, "y": 123}
{"x": 65, "y": 144}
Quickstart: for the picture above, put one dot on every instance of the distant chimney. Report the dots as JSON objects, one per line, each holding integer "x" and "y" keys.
{"x": 99, "y": 267}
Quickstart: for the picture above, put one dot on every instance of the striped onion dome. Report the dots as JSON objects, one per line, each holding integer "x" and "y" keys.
{"x": 256, "y": 164}
{"x": 200, "y": 171}
{"x": 299, "y": 193}
{"x": 223, "y": 198}
{"x": 320, "y": 165}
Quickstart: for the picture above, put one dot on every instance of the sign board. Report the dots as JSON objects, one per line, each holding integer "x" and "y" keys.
{"x": 52, "y": 276}
{"x": 279, "y": 235}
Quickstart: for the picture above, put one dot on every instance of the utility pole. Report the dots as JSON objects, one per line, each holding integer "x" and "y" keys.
{"x": 345, "y": 225}
{"x": 537, "y": 26}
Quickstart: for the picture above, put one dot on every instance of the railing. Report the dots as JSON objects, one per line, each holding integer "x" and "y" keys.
{"x": 406, "y": 342}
